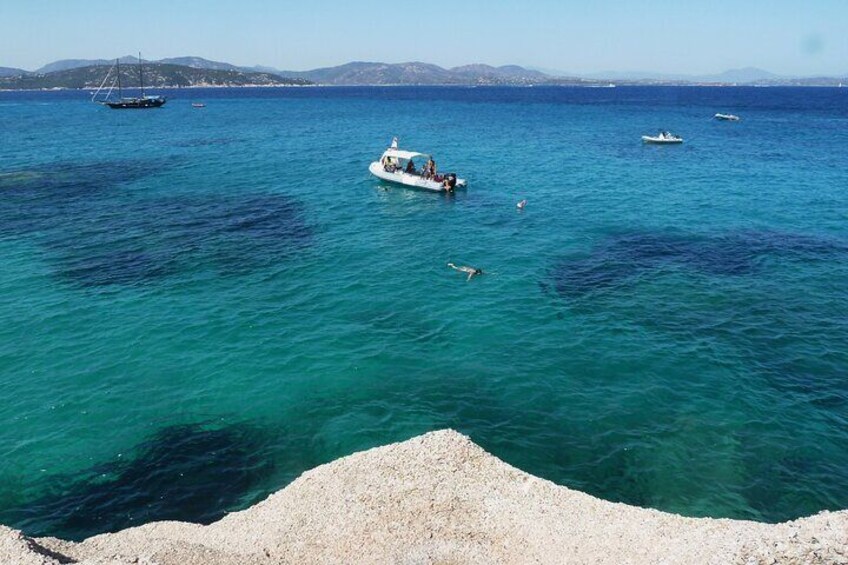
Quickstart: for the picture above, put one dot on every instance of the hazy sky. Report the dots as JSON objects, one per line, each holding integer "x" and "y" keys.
{"x": 801, "y": 37}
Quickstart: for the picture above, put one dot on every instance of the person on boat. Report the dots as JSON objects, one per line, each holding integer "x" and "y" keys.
{"x": 410, "y": 167}
{"x": 449, "y": 183}
{"x": 431, "y": 168}
{"x": 470, "y": 270}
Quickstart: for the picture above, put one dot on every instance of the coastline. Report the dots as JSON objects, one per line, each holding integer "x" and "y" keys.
{"x": 461, "y": 86}
{"x": 87, "y": 89}
{"x": 441, "y": 498}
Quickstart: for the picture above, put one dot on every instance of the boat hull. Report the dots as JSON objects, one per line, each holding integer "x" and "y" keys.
{"x": 658, "y": 141}
{"x": 136, "y": 104}
{"x": 410, "y": 180}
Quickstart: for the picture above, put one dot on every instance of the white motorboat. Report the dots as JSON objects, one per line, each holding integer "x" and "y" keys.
{"x": 727, "y": 117}
{"x": 662, "y": 138}
{"x": 410, "y": 168}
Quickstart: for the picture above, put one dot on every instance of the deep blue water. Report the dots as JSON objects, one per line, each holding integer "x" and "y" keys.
{"x": 198, "y": 305}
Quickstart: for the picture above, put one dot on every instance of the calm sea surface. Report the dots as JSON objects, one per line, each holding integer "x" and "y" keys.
{"x": 198, "y": 305}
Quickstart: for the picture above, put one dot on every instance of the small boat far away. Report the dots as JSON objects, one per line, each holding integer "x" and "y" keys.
{"x": 662, "y": 138}
{"x": 727, "y": 117}
{"x": 198, "y": 105}
{"x": 398, "y": 166}
{"x": 131, "y": 103}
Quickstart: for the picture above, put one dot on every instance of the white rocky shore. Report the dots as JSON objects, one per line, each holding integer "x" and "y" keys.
{"x": 439, "y": 498}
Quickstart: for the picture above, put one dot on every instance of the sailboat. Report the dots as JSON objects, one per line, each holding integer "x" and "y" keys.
{"x": 130, "y": 103}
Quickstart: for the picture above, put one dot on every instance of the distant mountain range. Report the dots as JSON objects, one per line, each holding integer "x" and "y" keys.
{"x": 745, "y": 75}
{"x": 10, "y": 72}
{"x": 417, "y": 73}
{"x": 193, "y": 62}
{"x": 194, "y": 71}
{"x": 68, "y": 64}
{"x": 155, "y": 75}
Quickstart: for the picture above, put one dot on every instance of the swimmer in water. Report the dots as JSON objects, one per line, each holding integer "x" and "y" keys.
{"x": 470, "y": 270}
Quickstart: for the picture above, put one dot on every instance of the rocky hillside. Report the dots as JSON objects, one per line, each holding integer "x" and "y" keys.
{"x": 10, "y": 72}
{"x": 196, "y": 62}
{"x": 417, "y": 73}
{"x": 155, "y": 75}
{"x": 201, "y": 63}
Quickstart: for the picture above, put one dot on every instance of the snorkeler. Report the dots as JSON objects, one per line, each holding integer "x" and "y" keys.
{"x": 470, "y": 270}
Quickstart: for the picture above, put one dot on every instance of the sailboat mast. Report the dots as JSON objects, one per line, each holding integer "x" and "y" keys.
{"x": 141, "y": 74}
{"x": 118, "y": 66}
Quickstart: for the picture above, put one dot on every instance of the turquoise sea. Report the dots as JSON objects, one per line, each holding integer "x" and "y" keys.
{"x": 197, "y": 305}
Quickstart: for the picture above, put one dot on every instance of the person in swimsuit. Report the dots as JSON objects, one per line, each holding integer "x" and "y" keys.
{"x": 470, "y": 270}
{"x": 449, "y": 183}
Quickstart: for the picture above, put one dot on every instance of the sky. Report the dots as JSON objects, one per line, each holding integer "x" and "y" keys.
{"x": 792, "y": 38}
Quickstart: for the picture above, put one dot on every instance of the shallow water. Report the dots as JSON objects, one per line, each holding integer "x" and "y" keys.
{"x": 228, "y": 289}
